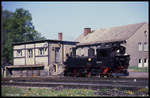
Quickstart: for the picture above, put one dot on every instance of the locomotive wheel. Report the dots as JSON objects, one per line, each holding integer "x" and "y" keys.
{"x": 116, "y": 76}
{"x": 109, "y": 75}
{"x": 105, "y": 76}
{"x": 101, "y": 76}
{"x": 89, "y": 74}
{"x": 75, "y": 73}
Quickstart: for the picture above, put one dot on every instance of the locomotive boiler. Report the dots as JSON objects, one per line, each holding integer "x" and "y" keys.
{"x": 110, "y": 60}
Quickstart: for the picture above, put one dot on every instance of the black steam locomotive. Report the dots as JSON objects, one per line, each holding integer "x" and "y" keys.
{"x": 110, "y": 60}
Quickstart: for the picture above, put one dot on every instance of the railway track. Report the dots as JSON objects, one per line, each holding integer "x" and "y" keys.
{"x": 59, "y": 78}
{"x": 77, "y": 82}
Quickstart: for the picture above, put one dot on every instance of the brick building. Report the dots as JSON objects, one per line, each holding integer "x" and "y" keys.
{"x": 135, "y": 35}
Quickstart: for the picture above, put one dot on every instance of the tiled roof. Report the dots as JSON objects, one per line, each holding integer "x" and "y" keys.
{"x": 110, "y": 34}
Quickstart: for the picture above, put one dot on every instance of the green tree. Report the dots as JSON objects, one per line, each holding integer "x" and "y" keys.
{"x": 5, "y": 34}
{"x": 16, "y": 27}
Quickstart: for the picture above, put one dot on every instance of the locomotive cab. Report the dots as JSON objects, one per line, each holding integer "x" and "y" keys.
{"x": 114, "y": 59}
{"x": 102, "y": 53}
{"x": 104, "y": 57}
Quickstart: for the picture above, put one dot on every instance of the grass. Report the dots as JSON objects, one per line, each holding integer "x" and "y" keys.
{"x": 15, "y": 91}
{"x": 137, "y": 69}
{"x": 123, "y": 92}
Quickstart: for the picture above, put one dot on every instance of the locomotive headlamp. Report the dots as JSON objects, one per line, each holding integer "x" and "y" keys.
{"x": 89, "y": 59}
{"x": 118, "y": 51}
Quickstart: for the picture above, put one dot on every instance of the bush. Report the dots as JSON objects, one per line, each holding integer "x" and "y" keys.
{"x": 137, "y": 69}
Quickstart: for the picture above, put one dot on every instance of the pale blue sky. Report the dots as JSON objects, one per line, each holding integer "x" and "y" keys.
{"x": 70, "y": 18}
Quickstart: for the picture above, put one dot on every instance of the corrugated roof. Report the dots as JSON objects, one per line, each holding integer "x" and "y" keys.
{"x": 110, "y": 34}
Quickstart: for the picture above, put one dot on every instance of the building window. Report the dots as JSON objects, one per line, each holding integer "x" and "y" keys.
{"x": 139, "y": 60}
{"x": 140, "y": 46}
{"x": 140, "y": 63}
{"x": 57, "y": 54}
{"x": 42, "y": 51}
{"x": 19, "y": 53}
{"x": 30, "y": 53}
{"x": 145, "y": 46}
{"x": 145, "y": 33}
{"x": 145, "y": 62}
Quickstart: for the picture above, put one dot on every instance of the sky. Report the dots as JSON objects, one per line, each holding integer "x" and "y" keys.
{"x": 71, "y": 18}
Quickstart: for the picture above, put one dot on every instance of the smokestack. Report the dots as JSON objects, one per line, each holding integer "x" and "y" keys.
{"x": 86, "y": 31}
{"x": 60, "y": 36}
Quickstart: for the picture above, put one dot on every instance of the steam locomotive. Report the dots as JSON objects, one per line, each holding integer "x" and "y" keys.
{"x": 110, "y": 60}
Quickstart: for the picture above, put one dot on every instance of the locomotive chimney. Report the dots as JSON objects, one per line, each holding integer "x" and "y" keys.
{"x": 60, "y": 36}
{"x": 86, "y": 31}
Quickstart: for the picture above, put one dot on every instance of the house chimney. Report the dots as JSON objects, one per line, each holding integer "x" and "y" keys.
{"x": 86, "y": 31}
{"x": 60, "y": 36}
